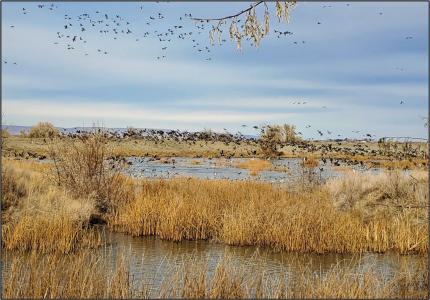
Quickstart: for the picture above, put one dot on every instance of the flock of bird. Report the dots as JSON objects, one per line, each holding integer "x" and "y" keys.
{"x": 76, "y": 29}
{"x": 238, "y": 140}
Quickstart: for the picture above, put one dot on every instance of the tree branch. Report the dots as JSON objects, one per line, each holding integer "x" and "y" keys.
{"x": 229, "y": 17}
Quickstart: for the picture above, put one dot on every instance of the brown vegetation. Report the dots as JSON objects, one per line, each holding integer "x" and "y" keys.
{"x": 43, "y": 130}
{"x": 252, "y": 213}
{"x": 82, "y": 168}
{"x": 87, "y": 275}
{"x": 355, "y": 214}
{"x": 38, "y": 216}
{"x": 38, "y": 147}
{"x": 273, "y": 137}
{"x": 254, "y": 165}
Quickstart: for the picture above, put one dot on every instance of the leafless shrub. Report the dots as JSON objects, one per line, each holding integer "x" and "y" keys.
{"x": 81, "y": 166}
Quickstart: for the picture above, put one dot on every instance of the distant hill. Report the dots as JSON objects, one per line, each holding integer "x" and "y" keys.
{"x": 15, "y": 129}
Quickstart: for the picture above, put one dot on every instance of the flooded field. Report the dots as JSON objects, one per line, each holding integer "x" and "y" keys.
{"x": 282, "y": 170}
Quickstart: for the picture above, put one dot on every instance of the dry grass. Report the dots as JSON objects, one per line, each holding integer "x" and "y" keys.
{"x": 387, "y": 192}
{"x": 309, "y": 162}
{"x": 38, "y": 216}
{"x": 252, "y": 213}
{"x": 86, "y": 275}
{"x": 77, "y": 276}
{"x": 254, "y": 165}
{"x": 344, "y": 283}
{"x": 48, "y": 234}
{"x": 354, "y": 214}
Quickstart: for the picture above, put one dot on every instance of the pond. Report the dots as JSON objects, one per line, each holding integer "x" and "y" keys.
{"x": 283, "y": 170}
{"x": 152, "y": 260}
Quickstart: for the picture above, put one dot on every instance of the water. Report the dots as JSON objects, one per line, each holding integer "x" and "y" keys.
{"x": 151, "y": 253}
{"x": 220, "y": 168}
{"x": 152, "y": 260}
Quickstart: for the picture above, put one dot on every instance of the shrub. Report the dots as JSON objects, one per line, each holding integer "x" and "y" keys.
{"x": 274, "y": 136}
{"x": 270, "y": 140}
{"x": 81, "y": 166}
{"x": 43, "y": 130}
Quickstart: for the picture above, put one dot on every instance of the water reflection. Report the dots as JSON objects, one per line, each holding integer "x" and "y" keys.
{"x": 222, "y": 168}
{"x": 152, "y": 259}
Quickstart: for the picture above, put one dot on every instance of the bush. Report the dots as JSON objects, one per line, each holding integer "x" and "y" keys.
{"x": 81, "y": 166}
{"x": 274, "y": 136}
{"x": 43, "y": 130}
{"x": 269, "y": 141}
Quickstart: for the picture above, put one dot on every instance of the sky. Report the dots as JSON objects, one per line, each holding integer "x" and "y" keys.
{"x": 362, "y": 69}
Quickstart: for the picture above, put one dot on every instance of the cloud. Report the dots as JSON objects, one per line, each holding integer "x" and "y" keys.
{"x": 79, "y": 110}
{"x": 348, "y": 64}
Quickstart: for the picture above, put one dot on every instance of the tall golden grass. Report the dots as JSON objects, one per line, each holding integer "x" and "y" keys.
{"x": 336, "y": 218}
{"x": 48, "y": 234}
{"x": 255, "y": 213}
{"x": 355, "y": 214}
{"x": 350, "y": 215}
{"x": 36, "y": 215}
{"x": 87, "y": 275}
{"x": 254, "y": 165}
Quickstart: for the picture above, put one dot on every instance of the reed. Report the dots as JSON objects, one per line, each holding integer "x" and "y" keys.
{"x": 95, "y": 275}
{"x": 255, "y": 213}
{"x": 37, "y": 215}
{"x": 362, "y": 213}
{"x": 48, "y": 234}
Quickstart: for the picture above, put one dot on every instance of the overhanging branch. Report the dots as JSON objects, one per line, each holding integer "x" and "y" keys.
{"x": 229, "y": 17}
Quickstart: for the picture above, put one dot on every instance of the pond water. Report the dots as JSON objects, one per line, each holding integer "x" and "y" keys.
{"x": 149, "y": 255}
{"x": 285, "y": 169}
{"x": 152, "y": 260}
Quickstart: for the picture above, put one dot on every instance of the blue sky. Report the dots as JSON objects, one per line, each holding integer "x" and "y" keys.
{"x": 358, "y": 64}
